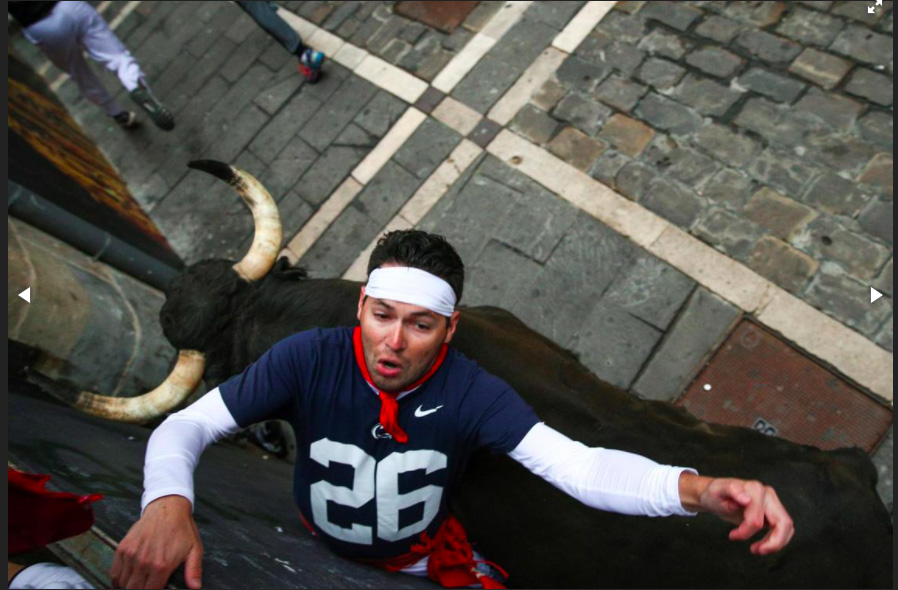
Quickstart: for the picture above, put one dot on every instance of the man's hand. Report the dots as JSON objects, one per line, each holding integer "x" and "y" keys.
{"x": 165, "y": 537}
{"x": 750, "y": 504}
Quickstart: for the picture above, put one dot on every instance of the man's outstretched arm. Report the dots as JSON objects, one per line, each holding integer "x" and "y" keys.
{"x": 627, "y": 483}
{"x": 166, "y": 535}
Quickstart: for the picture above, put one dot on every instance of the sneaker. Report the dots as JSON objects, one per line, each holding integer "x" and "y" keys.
{"x": 126, "y": 119}
{"x": 310, "y": 64}
{"x": 160, "y": 115}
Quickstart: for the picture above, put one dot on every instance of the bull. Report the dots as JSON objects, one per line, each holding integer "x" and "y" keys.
{"x": 222, "y": 316}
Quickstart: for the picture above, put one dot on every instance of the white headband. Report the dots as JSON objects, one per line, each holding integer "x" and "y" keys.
{"x": 412, "y": 285}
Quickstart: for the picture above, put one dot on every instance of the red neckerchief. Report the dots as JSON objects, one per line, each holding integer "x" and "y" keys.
{"x": 389, "y": 408}
{"x": 450, "y": 563}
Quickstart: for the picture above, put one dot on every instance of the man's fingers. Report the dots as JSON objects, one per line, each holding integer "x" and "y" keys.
{"x": 125, "y": 567}
{"x": 752, "y": 506}
{"x": 193, "y": 568}
{"x": 116, "y": 570}
{"x": 781, "y": 526}
{"x": 750, "y": 496}
{"x": 158, "y": 576}
{"x": 773, "y": 541}
{"x": 136, "y": 580}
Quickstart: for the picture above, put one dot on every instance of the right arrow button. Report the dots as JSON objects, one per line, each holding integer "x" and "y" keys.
{"x": 874, "y": 294}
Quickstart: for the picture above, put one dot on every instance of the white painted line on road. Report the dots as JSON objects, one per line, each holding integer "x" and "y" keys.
{"x": 325, "y": 42}
{"x": 463, "y": 62}
{"x": 471, "y": 54}
{"x": 452, "y": 113}
{"x": 58, "y": 82}
{"x": 414, "y": 210}
{"x": 456, "y": 115}
{"x": 821, "y": 336}
{"x": 301, "y": 25}
{"x": 362, "y": 63}
{"x": 121, "y": 16}
{"x": 507, "y": 17}
{"x": 830, "y": 341}
{"x": 392, "y": 79}
{"x": 578, "y": 188}
{"x": 581, "y": 25}
{"x": 321, "y": 220}
{"x": 530, "y": 81}
{"x": 439, "y": 183}
{"x": 731, "y": 280}
{"x": 389, "y": 145}
{"x": 349, "y": 56}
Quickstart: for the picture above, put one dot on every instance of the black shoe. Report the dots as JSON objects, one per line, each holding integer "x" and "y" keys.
{"x": 126, "y": 119}
{"x": 160, "y": 115}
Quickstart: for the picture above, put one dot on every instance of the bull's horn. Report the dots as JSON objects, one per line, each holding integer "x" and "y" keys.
{"x": 177, "y": 386}
{"x": 267, "y": 239}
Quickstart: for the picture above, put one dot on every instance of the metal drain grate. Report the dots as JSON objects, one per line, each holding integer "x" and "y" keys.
{"x": 443, "y": 16}
{"x": 757, "y": 380}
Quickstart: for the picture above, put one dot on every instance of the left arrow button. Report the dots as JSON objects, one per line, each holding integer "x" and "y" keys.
{"x": 26, "y": 294}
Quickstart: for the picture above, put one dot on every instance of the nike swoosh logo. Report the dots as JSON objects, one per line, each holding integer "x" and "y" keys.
{"x": 419, "y": 413}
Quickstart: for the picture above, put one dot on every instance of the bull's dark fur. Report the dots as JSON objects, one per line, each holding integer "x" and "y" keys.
{"x": 544, "y": 538}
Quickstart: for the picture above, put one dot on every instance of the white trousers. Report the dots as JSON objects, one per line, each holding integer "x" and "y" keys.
{"x": 73, "y": 28}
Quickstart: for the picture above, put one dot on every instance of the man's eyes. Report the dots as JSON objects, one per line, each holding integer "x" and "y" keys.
{"x": 380, "y": 315}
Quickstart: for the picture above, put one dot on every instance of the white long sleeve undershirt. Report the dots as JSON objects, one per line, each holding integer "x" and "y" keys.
{"x": 606, "y": 479}
{"x": 175, "y": 447}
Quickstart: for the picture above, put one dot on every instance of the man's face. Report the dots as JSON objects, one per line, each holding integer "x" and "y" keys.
{"x": 401, "y": 340}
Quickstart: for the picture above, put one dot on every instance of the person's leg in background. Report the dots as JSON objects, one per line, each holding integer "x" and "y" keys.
{"x": 104, "y": 47}
{"x": 266, "y": 16}
{"x": 57, "y": 36}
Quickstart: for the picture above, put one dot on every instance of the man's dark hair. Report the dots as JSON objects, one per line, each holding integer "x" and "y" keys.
{"x": 419, "y": 249}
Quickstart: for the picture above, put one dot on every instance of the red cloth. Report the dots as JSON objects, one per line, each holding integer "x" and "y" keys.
{"x": 389, "y": 407}
{"x": 451, "y": 563}
{"x": 38, "y": 516}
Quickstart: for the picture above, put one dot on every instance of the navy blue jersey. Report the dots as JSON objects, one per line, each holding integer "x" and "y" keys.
{"x": 365, "y": 494}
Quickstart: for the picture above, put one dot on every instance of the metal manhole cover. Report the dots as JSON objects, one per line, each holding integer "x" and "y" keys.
{"x": 443, "y": 16}
{"x": 757, "y": 380}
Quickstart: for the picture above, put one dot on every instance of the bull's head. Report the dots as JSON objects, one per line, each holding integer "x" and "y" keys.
{"x": 189, "y": 336}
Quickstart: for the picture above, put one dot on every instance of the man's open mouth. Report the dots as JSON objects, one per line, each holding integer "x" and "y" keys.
{"x": 388, "y": 368}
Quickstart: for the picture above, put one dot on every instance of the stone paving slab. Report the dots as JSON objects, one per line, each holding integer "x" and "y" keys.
{"x": 703, "y": 323}
{"x": 778, "y": 112}
{"x": 578, "y": 282}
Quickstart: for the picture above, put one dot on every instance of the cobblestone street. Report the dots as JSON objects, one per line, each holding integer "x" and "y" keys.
{"x": 632, "y": 179}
